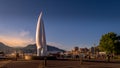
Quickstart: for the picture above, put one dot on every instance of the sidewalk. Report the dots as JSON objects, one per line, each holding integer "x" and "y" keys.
{"x": 3, "y": 63}
{"x": 56, "y": 64}
{"x": 22, "y": 64}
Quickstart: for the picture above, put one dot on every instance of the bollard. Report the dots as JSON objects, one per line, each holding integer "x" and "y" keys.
{"x": 45, "y": 61}
{"x": 81, "y": 60}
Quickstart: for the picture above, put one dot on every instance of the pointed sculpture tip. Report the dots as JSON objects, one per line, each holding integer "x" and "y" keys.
{"x": 41, "y": 13}
{"x": 40, "y": 16}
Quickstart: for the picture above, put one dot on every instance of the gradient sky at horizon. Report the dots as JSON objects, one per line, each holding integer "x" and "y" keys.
{"x": 68, "y": 23}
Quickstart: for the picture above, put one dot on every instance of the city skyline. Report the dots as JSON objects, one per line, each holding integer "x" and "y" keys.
{"x": 68, "y": 23}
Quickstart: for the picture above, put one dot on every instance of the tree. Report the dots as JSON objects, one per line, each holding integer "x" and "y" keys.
{"x": 110, "y": 43}
{"x": 117, "y": 45}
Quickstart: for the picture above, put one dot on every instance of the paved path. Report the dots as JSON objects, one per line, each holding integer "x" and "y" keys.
{"x": 23, "y": 64}
{"x": 57, "y": 64}
{"x": 76, "y": 64}
{"x": 3, "y": 63}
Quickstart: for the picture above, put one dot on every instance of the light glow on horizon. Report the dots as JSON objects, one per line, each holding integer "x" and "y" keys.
{"x": 21, "y": 39}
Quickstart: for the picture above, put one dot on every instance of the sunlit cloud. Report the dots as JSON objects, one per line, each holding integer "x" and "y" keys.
{"x": 24, "y": 33}
{"x": 20, "y": 39}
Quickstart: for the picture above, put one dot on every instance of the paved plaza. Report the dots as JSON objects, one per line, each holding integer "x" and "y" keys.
{"x": 56, "y": 64}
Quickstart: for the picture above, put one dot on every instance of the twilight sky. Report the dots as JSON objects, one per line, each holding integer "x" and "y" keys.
{"x": 68, "y": 23}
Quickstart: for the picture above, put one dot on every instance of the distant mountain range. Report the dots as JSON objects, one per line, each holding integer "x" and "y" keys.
{"x": 6, "y": 49}
{"x": 28, "y": 49}
{"x": 33, "y": 49}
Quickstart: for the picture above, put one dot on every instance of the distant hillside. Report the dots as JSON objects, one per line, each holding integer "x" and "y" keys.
{"x": 33, "y": 49}
{"x": 6, "y": 49}
{"x": 28, "y": 49}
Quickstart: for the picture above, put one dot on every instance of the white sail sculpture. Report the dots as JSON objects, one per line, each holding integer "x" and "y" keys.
{"x": 40, "y": 38}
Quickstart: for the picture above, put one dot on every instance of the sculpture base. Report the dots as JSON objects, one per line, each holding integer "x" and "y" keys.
{"x": 40, "y": 57}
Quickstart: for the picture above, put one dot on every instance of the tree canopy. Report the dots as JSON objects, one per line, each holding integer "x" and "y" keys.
{"x": 110, "y": 43}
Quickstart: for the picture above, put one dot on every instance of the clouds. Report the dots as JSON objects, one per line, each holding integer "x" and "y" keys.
{"x": 24, "y": 33}
{"x": 19, "y": 39}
